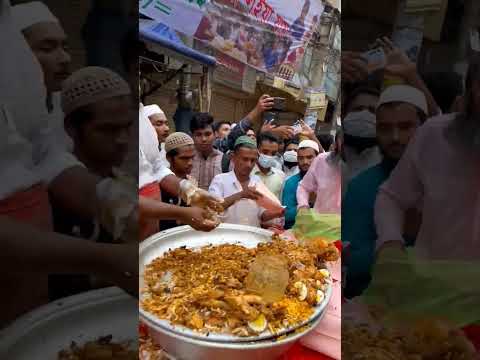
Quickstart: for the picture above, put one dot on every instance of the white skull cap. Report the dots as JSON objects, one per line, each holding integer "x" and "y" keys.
{"x": 404, "y": 93}
{"x": 150, "y": 110}
{"x": 31, "y": 13}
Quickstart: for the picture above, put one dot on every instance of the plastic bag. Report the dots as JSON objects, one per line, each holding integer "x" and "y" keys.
{"x": 407, "y": 288}
{"x": 268, "y": 200}
{"x": 311, "y": 225}
{"x": 268, "y": 277}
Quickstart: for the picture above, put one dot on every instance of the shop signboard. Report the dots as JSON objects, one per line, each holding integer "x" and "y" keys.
{"x": 264, "y": 34}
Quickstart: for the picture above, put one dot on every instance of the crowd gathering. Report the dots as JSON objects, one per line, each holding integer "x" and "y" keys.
{"x": 227, "y": 160}
{"x": 412, "y": 145}
{"x": 402, "y": 170}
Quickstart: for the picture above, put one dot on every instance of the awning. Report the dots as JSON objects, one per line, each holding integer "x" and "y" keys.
{"x": 166, "y": 41}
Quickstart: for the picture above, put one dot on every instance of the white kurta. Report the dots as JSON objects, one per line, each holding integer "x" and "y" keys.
{"x": 30, "y": 151}
{"x": 151, "y": 166}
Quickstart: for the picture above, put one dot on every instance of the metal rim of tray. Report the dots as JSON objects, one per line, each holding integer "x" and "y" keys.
{"x": 183, "y": 331}
{"x": 23, "y": 325}
{"x": 291, "y": 336}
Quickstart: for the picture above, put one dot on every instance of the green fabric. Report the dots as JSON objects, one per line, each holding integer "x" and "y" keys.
{"x": 405, "y": 288}
{"x": 246, "y": 141}
{"x": 309, "y": 225}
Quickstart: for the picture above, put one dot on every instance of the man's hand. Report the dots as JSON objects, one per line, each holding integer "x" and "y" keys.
{"x": 265, "y": 103}
{"x": 250, "y": 193}
{"x": 354, "y": 67}
{"x": 398, "y": 63}
{"x": 198, "y": 218}
{"x": 194, "y": 196}
{"x": 283, "y": 132}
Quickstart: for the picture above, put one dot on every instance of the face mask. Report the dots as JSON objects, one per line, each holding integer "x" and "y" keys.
{"x": 266, "y": 161}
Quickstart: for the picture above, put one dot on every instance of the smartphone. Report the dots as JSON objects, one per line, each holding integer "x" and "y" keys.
{"x": 297, "y": 128}
{"x": 375, "y": 59}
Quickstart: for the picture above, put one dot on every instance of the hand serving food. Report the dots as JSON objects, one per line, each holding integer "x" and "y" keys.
{"x": 201, "y": 200}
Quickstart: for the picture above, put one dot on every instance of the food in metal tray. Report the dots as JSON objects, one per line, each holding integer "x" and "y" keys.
{"x": 219, "y": 289}
{"x": 101, "y": 349}
{"x": 422, "y": 340}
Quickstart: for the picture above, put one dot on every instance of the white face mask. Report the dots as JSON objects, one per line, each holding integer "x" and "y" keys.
{"x": 266, "y": 161}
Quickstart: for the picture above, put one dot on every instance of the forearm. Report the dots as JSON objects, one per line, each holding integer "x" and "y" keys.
{"x": 229, "y": 201}
{"x": 269, "y": 215}
{"x": 302, "y": 196}
{"x": 389, "y": 220}
{"x": 171, "y": 185}
{"x": 155, "y": 209}
{"x": 27, "y": 249}
{"x": 255, "y": 119}
{"x": 75, "y": 189}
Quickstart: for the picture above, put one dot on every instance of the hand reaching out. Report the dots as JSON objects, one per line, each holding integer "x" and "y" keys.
{"x": 265, "y": 103}
{"x": 354, "y": 67}
{"x": 398, "y": 63}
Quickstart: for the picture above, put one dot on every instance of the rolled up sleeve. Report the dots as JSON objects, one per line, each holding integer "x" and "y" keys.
{"x": 400, "y": 192}
{"x": 307, "y": 185}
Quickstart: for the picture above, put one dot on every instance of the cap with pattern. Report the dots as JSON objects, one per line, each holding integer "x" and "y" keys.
{"x": 90, "y": 85}
{"x": 245, "y": 141}
{"x": 177, "y": 140}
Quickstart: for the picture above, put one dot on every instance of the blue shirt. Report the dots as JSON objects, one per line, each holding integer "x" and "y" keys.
{"x": 289, "y": 199}
{"x": 358, "y": 226}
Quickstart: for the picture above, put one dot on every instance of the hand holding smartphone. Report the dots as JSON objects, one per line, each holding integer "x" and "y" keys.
{"x": 375, "y": 59}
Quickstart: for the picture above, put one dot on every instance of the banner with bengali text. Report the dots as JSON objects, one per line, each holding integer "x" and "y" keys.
{"x": 269, "y": 35}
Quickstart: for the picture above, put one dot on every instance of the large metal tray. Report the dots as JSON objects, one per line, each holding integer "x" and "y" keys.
{"x": 42, "y": 333}
{"x": 156, "y": 245}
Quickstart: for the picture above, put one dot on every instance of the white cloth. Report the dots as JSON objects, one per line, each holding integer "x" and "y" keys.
{"x": 243, "y": 212}
{"x": 151, "y": 167}
{"x": 150, "y": 110}
{"x": 28, "y": 14}
{"x": 57, "y": 123}
{"x": 163, "y": 156}
{"x": 31, "y": 153}
{"x": 360, "y": 124}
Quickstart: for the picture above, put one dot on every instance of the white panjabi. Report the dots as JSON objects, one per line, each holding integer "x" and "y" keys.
{"x": 30, "y": 152}
{"x": 151, "y": 165}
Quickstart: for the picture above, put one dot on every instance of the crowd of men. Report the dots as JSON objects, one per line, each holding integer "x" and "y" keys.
{"x": 412, "y": 149}
{"x": 227, "y": 160}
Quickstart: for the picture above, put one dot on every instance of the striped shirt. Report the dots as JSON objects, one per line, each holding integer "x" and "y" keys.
{"x": 205, "y": 169}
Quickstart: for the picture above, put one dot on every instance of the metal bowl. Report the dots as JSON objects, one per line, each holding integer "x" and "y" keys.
{"x": 158, "y": 244}
{"x": 187, "y": 348}
{"x": 42, "y": 333}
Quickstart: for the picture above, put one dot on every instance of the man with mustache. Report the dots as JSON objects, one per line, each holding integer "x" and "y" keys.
{"x": 440, "y": 171}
